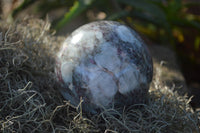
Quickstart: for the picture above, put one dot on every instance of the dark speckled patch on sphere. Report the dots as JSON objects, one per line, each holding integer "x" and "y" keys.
{"x": 104, "y": 62}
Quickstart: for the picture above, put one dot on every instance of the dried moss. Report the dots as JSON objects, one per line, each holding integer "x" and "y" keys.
{"x": 30, "y": 101}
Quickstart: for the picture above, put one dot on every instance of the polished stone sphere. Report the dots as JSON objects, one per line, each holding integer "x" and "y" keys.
{"x": 105, "y": 63}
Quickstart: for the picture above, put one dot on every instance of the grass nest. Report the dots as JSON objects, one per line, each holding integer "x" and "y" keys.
{"x": 30, "y": 100}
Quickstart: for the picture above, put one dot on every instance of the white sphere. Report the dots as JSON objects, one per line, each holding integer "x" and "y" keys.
{"x": 106, "y": 63}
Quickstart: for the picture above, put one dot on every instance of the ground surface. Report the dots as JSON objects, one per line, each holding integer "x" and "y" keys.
{"x": 31, "y": 102}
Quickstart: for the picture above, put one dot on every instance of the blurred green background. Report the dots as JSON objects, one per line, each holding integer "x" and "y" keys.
{"x": 174, "y": 23}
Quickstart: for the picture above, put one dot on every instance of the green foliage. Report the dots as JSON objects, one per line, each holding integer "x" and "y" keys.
{"x": 22, "y": 6}
{"x": 164, "y": 21}
{"x": 78, "y": 7}
{"x": 197, "y": 43}
{"x": 147, "y": 10}
{"x": 47, "y": 5}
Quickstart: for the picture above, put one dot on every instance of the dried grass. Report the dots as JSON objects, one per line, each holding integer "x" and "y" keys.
{"x": 30, "y": 101}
